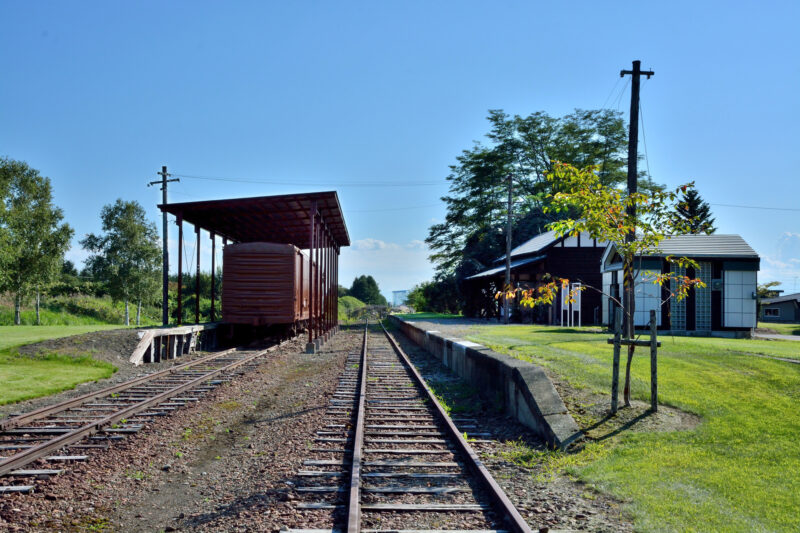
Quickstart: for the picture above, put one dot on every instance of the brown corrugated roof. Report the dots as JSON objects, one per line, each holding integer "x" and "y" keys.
{"x": 281, "y": 218}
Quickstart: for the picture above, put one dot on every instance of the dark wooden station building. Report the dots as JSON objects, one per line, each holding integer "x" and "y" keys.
{"x": 280, "y": 260}
{"x": 576, "y": 258}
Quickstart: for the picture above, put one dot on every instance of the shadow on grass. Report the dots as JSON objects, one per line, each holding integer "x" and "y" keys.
{"x": 624, "y": 427}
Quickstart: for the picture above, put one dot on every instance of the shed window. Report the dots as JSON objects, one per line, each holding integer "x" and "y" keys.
{"x": 774, "y": 312}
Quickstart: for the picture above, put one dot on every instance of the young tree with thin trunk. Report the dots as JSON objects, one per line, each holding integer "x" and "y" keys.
{"x": 601, "y": 211}
{"x": 127, "y": 257}
{"x": 33, "y": 238}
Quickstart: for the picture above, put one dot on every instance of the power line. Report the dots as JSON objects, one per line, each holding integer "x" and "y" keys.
{"x": 622, "y": 93}
{"x": 316, "y": 184}
{"x": 613, "y": 89}
{"x": 644, "y": 140}
{"x": 759, "y": 207}
{"x": 392, "y": 208}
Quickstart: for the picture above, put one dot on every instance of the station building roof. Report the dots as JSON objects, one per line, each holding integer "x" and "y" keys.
{"x": 282, "y": 218}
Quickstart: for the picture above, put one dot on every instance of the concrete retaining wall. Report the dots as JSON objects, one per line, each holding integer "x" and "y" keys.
{"x": 522, "y": 388}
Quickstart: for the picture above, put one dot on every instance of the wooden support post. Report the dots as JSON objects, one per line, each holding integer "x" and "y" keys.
{"x": 197, "y": 279}
{"x": 318, "y": 282}
{"x": 327, "y": 284}
{"x": 337, "y": 287}
{"x": 615, "y": 363}
{"x": 312, "y": 216}
{"x": 653, "y": 363}
{"x": 180, "y": 268}
{"x": 213, "y": 273}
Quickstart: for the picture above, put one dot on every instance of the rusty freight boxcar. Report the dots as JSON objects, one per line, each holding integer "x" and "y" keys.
{"x": 265, "y": 283}
{"x": 270, "y": 243}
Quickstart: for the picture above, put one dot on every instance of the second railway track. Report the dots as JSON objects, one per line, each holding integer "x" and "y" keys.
{"x": 38, "y": 443}
{"x": 390, "y": 458}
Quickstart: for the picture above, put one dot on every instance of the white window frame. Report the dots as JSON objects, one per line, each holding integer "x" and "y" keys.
{"x": 777, "y": 312}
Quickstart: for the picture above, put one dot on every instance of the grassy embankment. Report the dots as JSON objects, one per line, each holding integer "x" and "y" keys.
{"x": 738, "y": 471}
{"x": 781, "y": 329}
{"x": 24, "y": 377}
{"x": 348, "y": 304}
{"x": 75, "y": 311}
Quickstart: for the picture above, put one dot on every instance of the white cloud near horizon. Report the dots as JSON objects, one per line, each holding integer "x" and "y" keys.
{"x": 395, "y": 266}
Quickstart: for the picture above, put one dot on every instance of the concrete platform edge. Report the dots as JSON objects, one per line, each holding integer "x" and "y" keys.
{"x": 522, "y": 389}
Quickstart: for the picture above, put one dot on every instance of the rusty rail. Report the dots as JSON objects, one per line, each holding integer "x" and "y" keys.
{"x": 43, "y": 412}
{"x": 354, "y": 503}
{"x": 512, "y": 516}
{"x": 29, "y": 455}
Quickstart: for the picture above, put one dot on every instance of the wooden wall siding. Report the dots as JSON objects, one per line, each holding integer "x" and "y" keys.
{"x": 579, "y": 264}
{"x": 262, "y": 284}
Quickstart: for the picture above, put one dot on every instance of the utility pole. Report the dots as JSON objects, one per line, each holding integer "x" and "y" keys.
{"x": 165, "y": 254}
{"x": 506, "y": 306}
{"x": 633, "y": 156}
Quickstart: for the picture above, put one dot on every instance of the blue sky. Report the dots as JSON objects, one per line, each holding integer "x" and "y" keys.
{"x": 304, "y": 96}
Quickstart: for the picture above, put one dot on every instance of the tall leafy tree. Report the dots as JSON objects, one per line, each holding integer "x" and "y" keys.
{"x": 365, "y": 288}
{"x": 33, "y": 238}
{"x": 473, "y": 233}
{"x": 695, "y": 213}
{"x": 127, "y": 257}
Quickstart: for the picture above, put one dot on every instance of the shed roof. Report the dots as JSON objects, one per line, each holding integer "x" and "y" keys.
{"x": 536, "y": 244}
{"x": 784, "y": 298}
{"x": 691, "y": 246}
{"x": 500, "y": 269}
{"x": 706, "y": 246}
{"x": 281, "y": 219}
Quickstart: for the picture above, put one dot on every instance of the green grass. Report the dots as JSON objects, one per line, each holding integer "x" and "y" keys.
{"x": 738, "y": 471}
{"x": 25, "y": 377}
{"x": 782, "y": 329}
{"x": 18, "y": 335}
{"x": 425, "y": 316}
{"x": 76, "y": 311}
{"x": 348, "y": 304}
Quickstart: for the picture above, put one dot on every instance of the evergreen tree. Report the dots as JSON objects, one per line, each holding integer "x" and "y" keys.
{"x": 694, "y": 214}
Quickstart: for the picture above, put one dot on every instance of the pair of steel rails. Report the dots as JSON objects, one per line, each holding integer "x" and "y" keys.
{"x": 29, "y": 437}
{"x": 460, "y": 448}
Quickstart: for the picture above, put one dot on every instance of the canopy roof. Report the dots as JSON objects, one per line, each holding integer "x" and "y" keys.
{"x": 282, "y": 219}
{"x": 501, "y": 269}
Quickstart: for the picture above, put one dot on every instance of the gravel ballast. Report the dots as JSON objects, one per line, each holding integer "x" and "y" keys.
{"x": 223, "y": 464}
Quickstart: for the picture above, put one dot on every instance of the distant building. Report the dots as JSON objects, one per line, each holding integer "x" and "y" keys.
{"x": 399, "y": 297}
{"x": 781, "y": 309}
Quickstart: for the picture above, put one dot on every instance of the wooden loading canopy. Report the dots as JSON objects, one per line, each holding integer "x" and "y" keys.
{"x": 309, "y": 221}
{"x": 282, "y": 219}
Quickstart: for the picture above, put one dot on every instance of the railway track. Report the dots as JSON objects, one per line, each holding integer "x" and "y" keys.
{"x": 39, "y": 443}
{"x": 391, "y": 459}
